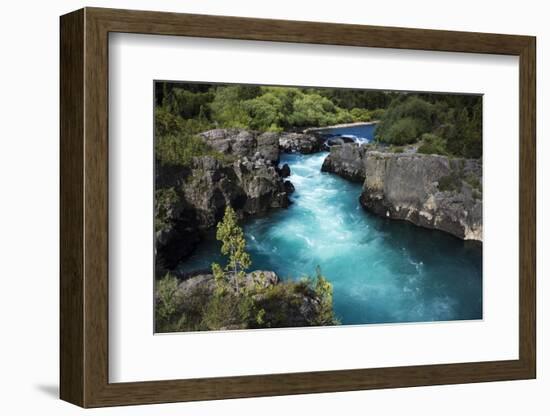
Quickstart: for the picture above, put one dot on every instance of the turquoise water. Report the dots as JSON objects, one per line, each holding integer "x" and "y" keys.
{"x": 382, "y": 271}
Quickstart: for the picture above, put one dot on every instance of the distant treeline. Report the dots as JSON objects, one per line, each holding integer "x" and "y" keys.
{"x": 442, "y": 123}
{"x": 445, "y": 124}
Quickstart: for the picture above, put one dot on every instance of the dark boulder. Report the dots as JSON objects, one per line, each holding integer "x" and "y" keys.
{"x": 284, "y": 171}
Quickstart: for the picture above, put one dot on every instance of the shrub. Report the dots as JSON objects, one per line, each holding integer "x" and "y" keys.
{"x": 432, "y": 145}
{"x": 227, "y": 107}
{"x": 405, "y": 121}
{"x": 266, "y": 111}
{"x": 451, "y": 182}
{"x": 166, "y": 302}
{"x": 377, "y": 114}
{"x": 396, "y": 149}
{"x": 403, "y": 131}
{"x": 473, "y": 181}
{"x": 312, "y": 110}
{"x": 187, "y": 104}
{"x": 361, "y": 114}
{"x": 181, "y": 149}
{"x": 165, "y": 198}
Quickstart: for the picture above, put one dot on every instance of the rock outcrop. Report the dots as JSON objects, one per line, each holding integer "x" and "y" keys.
{"x": 284, "y": 303}
{"x": 431, "y": 191}
{"x": 301, "y": 143}
{"x": 244, "y": 143}
{"x": 192, "y": 199}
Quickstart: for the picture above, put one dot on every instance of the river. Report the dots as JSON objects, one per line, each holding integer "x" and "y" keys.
{"x": 382, "y": 271}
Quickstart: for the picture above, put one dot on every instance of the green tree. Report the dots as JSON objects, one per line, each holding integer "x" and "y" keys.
{"x": 233, "y": 246}
{"x": 323, "y": 289}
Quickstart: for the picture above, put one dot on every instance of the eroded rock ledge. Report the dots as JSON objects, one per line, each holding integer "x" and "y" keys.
{"x": 190, "y": 200}
{"x": 431, "y": 191}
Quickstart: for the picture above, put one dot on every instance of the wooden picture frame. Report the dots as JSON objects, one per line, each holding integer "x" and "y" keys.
{"x": 84, "y": 207}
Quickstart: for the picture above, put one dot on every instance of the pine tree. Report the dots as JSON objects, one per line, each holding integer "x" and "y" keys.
{"x": 233, "y": 246}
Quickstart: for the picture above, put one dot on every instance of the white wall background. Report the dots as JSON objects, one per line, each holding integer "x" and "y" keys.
{"x": 29, "y": 211}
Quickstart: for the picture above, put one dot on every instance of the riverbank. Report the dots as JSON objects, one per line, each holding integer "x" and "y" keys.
{"x": 430, "y": 191}
{"x": 311, "y": 130}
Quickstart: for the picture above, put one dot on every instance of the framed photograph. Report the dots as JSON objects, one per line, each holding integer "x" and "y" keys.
{"x": 256, "y": 207}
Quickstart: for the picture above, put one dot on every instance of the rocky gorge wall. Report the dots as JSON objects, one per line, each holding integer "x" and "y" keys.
{"x": 190, "y": 200}
{"x": 431, "y": 191}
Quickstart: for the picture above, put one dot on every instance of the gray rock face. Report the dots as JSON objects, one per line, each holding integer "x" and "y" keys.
{"x": 300, "y": 142}
{"x": 346, "y": 161}
{"x": 428, "y": 190}
{"x": 206, "y": 281}
{"x": 244, "y": 143}
{"x": 251, "y": 185}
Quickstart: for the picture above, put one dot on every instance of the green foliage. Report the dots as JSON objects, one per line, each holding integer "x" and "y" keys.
{"x": 268, "y": 111}
{"x": 432, "y": 145}
{"x": 405, "y": 121}
{"x": 187, "y": 104}
{"x": 166, "y": 299}
{"x": 352, "y": 98}
{"x": 360, "y": 114}
{"x": 228, "y": 311}
{"x": 228, "y": 109}
{"x": 323, "y": 290}
{"x": 396, "y": 149}
{"x": 462, "y": 131}
{"x": 448, "y": 124}
{"x": 473, "y": 181}
{"x": 401, "y": 132}
{"x": 165, "y": 198}
{"x": 172, "y": 313}
{"x": 377, "y": 114}
{"x": 313, "y": 110}
{"x": 233, "y": 246}
{"x": 181, "y": 149}
{"x": 451, "y": 182}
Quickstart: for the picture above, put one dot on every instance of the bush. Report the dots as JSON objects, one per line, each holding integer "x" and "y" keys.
{"x": 312, "y": 110}
{"x": 267, "y": 111}
{"x": 405, "y": 121}
{"x": 227, "y": 107}
{"x": 403, "y": 131}
{"x": 187, "y": 104}
{"x": 396, "y": 149}
{"x": 165, "y": 199}
{"x": 377, "y": 114}
{"x": 166, "y": 303}
{"x": 473, "y": 181}
{"x": 361, "y": 114}
{"x": 432, "y": 145}
{"x": 180, "y": 150}
{"x": 451, "y": 182}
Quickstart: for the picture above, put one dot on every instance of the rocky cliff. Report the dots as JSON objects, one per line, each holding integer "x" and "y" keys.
{"x": 192, "y": 199}
{"x": 431, "y": 191}
{"x": 244, "y": 143}
{"x": 301, "y": 143}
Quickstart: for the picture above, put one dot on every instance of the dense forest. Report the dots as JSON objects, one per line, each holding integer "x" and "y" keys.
{"x": 441, "y": 123}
